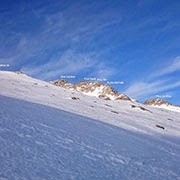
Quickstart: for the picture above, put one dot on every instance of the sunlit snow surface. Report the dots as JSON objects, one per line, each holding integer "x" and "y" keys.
{"x": 124, "y": 114}
{"x": 40, "y": 142}
{"x": 46, "y": 134}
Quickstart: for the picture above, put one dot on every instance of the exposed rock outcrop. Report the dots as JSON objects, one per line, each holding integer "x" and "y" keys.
{"x": 97, "y": 89}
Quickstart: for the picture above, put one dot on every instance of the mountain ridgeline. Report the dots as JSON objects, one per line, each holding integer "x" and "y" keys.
{"x": 98, "y": 89}
{"x": 102, "y": 91}
{"x": 106, "y": 92}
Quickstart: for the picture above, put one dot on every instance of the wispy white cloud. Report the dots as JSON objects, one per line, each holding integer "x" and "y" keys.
{"x": 153, "y": 85}
{"x": 60, "y": 31}
{"x": 140, "y": 90}
{"x": 69, "y": 63}
{"x": 103, "y": 71}
{"x": 170, "y": 68}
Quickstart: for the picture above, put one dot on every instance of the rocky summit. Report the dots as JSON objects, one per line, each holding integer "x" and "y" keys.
{"x": 157, "y": 102}
{"x": 98, "y": 89}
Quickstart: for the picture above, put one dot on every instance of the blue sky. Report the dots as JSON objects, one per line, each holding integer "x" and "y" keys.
{"x": 133, "y": 41}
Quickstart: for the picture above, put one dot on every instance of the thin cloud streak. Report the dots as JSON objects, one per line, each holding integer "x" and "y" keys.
{"x": 141, "y": 89}
{"x": 56, "y": 33}
{"x": 171, "y": 68}
{"x": 69, "y": 63}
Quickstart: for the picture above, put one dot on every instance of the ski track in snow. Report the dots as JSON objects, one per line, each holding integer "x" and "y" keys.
{"x": 40, "y": 142}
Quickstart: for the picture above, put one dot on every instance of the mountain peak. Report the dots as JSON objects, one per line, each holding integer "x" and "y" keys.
{"x": 157, "y": 102}
{"x": 98, "y": 89}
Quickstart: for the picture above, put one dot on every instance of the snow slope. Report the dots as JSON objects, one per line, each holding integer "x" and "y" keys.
{"x": 170, "y": 108}
{"x": 41, "y": 142}
{"x": 48, "y": 132}
{"x": 125, "y": 114}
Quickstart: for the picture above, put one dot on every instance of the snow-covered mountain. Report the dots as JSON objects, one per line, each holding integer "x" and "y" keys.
{"x": 96, "y": 89}
{"x": 119, "y": 113}
{"x": 157, "y": 102}
{"x": 49, "y": 132}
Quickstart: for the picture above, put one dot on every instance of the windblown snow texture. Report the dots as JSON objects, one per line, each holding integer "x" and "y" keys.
{"x": 40, "y": 142}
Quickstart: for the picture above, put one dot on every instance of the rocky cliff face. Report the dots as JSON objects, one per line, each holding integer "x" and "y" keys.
{"x": 97, "y": 89}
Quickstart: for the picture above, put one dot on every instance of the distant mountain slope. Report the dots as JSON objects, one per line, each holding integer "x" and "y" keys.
{"x": 161, "y": 104}
{"x": 40, "y": 142}
{"x": 129, "y": 115}
{"x": 96, "y": 89}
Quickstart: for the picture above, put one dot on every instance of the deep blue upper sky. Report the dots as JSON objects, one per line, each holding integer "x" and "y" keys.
{"x": 134, "y": 41}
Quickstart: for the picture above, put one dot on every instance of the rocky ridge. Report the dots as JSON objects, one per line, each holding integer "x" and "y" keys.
{"x": 157, "y": 102}
{"x": 98, "y": 89}
{"x": 63, "y": 83}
